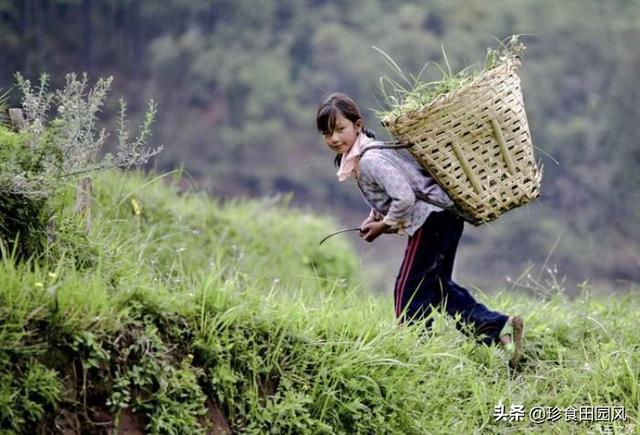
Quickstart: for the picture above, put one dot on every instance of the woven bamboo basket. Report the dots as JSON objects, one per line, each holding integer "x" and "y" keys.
{"x": 475, "y": 142}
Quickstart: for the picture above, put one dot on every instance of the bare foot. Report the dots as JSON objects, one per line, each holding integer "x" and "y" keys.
{"x": 512, "y": 339}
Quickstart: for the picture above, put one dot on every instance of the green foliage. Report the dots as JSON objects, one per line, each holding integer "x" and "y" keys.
{"x": 147, "y": 234}
{"x": 70, "y": 240}
{"x": 167, "y": 337}
{"x": 179, "y": 403}
{"x": 24, "y": 401}
{"x": 151, "y": 384}
{"x": 30, "y": 388}
{"x": 408, "y": 93}
{"x": 175, "y": 234}
{"x": 22, "y": 224}
{"x": 44, "y": 157}
{"x": 23, "y": 217}
{"x": 70, "y": 142}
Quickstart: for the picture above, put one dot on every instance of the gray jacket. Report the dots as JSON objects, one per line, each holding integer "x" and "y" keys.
{"x": 389, "y": 181}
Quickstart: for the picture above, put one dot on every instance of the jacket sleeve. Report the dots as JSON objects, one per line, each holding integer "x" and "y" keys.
{"x": 395, "y": 184}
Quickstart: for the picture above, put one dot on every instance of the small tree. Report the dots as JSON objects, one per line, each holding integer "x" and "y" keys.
{"x": 60, "y": 141}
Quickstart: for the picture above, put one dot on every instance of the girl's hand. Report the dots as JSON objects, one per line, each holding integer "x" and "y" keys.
{"x": 367, "y": 221}
{"x": 390, "y": 230}
{"x": 372, "y": 230}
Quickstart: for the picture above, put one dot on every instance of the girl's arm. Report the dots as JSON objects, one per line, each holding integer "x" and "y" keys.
{"x": 396, "y": 186}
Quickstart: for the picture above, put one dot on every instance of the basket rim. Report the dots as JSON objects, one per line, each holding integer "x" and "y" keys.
{"x": 512, "y": 64}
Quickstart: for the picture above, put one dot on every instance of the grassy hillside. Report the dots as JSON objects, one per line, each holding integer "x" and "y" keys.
{"x": 177, "y": 313}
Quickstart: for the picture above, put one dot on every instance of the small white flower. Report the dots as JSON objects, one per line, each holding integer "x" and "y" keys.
{"x": 61, "y": 109}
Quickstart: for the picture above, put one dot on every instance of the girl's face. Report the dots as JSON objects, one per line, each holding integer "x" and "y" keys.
{"x": 344, "y": 134}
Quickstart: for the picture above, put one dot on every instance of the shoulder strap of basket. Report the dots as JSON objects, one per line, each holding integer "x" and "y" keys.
{"x": 387, "y": 145}
{"x": 419, "y": 195}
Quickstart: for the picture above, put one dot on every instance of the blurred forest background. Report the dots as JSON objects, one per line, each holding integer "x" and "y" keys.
{"x": 237, "y": 83}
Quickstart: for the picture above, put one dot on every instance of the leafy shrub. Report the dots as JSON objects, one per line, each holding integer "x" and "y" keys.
{"x": 52, "y": 150}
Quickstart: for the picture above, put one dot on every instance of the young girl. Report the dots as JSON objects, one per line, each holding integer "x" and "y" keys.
{"x": 390, "y": 184}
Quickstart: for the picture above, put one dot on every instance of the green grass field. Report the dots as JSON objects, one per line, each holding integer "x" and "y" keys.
{"x": 180, "y": 314}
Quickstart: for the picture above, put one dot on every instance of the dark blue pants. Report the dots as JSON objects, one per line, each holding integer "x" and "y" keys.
{"x": 424, "y": 281}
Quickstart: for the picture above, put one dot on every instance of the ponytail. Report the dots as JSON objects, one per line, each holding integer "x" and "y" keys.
{"x": 369, "y": 133}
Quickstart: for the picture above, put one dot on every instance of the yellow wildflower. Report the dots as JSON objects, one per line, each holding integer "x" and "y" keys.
{"x": 136, "y": 207}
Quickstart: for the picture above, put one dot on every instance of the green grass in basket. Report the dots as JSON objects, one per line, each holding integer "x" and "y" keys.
{"x": 402, "y": 93}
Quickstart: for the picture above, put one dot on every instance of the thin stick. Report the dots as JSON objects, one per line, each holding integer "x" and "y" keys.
{"x": 338, "y": 232}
